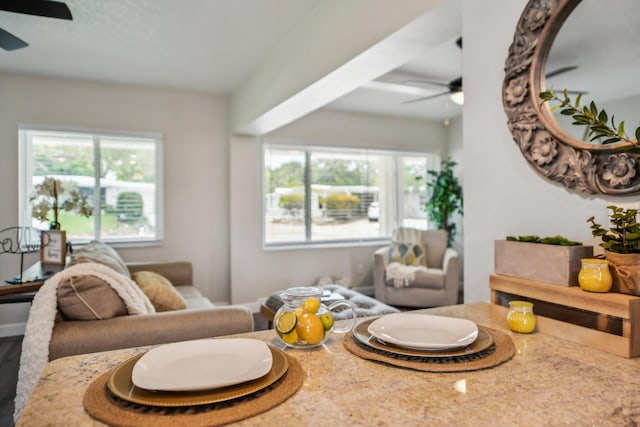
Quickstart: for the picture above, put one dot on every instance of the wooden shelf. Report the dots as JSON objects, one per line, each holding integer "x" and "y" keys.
{"x": 607, "y": 321}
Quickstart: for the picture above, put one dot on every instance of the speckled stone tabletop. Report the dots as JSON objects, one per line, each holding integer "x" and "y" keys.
{"x": 549, "y": 381}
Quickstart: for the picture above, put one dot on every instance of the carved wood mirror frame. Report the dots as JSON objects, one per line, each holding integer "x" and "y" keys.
{"x": 558, "y": 156}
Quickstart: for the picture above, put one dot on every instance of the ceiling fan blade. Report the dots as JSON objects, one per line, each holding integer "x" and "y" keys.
{"x": 10, "y": 42}
{"x": 426, "y": 82}
{"x": 46, "y": 8}
{"x": 424, "y": 98}
{"x": 561, "y": 70}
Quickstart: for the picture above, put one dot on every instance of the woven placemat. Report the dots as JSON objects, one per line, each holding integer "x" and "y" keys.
{"x": 101, "y": 404}
{"x": 499, "y": 352}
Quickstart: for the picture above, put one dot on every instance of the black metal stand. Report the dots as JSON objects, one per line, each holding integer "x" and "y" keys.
{"x": 20, "y": 241}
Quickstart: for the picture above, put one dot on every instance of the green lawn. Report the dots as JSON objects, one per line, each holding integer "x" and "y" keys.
{"x": 76, "y": 224}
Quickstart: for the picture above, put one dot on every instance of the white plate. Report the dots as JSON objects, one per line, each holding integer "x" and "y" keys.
{"x": 202, "y": 364}
{"x": 423, "y": 331}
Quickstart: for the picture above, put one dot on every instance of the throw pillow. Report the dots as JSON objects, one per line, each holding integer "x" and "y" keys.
{"x": 89, "y": 298}
{"x": 100, "y": 253}
{"x": 408, "y": 254}
{"x": 159, "y": 290}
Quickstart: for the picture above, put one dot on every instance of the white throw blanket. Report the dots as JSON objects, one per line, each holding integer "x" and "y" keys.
{"x": 35, "y": 345}
{"x": 402, "y": 275}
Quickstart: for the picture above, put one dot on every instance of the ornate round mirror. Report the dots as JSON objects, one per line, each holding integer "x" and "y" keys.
{"x": 553, "y": 145}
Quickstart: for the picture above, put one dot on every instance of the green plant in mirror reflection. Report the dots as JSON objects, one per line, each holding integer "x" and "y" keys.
{"x": 597, "y": 120}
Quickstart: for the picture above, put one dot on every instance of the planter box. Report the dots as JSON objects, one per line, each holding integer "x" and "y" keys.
{"x": 558, "y": 265}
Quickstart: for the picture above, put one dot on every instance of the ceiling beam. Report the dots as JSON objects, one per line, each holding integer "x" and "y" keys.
{"x": 339, "y": 46}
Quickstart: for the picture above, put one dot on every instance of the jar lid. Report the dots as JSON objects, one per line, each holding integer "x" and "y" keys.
{"x": 520, "y": 304}
{"x": 594, "y": 261}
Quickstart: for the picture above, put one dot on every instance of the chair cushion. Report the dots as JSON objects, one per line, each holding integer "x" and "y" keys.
{"x": 159, "y": 290}
{"x": 89, "y": 298}
{"x": 435, "y": 242}
{"x": 432, "y": 278}
{"x": 100, "y": 253}
{"x": 408, "y": 254}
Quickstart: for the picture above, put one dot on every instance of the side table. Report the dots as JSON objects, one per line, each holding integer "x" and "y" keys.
{"x": 25, "y": 292}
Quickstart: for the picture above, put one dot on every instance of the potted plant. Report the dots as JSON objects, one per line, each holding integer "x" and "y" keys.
{"x": 445, "y": 198}
{"x": 554, "y": 260}
{"x": 621, "y": 243}
{"x": 45, "y": 199}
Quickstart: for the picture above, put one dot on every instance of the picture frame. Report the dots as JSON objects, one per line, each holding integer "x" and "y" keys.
{"x": 53, "y": 249}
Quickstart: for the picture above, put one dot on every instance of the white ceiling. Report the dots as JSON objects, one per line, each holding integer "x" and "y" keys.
{"x": 212, "y": 45}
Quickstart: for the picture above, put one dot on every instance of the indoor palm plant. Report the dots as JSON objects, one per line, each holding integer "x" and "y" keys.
{"x": 445, "y": 197}
{"x": 45, "y": 199}
{"x": 621, "y": 242}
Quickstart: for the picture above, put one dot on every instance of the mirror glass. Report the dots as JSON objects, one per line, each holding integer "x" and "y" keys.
{"x": 600, "y": 39}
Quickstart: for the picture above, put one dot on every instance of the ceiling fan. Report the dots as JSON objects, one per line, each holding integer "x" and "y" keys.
{"x": 46, "y": 8}
{"x": 454, "y": 87}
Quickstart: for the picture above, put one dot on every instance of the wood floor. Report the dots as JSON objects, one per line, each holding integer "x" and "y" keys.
{"x": 10, "y": 348}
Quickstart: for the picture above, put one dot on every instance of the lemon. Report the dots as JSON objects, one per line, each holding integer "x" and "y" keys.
{"x": 327, "y": 321}
{"x": 310, "y": 328}
{"x": 311, "y": 305}
{"x": 286, "y": 322}
{"x": 291, "y": 337}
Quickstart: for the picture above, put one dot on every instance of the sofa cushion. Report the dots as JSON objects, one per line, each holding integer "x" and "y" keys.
{"x": 89, "y": 298}
{"x": 159, "y": 290}
{"x": 408, "y": 254}
{"x": 100, "y": 253}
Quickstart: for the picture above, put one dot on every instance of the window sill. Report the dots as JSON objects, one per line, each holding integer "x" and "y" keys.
{"x": 326, "y": 245}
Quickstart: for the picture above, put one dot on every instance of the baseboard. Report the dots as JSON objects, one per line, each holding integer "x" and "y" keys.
{"x": 12, "y": 329}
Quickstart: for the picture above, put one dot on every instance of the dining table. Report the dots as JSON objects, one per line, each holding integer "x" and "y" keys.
{"x": 546, "y": 381}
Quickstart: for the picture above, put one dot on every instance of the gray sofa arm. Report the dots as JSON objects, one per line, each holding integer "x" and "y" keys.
{"x": 89, "y": 336}
{"x": 451, "y": 260}
{"x": 179, "y": 273}
{"x": 380, "y": 261}
{"x": 451, "y": 268}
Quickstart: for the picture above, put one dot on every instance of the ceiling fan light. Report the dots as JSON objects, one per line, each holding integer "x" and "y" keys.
{"x": 458, "y": 97}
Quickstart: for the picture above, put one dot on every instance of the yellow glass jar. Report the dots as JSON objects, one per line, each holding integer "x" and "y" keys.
{"x": 520, "y": 317}
{"x": 594, "y": 275}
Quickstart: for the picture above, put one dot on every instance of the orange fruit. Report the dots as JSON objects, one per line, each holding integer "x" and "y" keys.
{"x": 311, "y": 305}
{"x": 310, "y": 328}
{"x": 291, "y": 337}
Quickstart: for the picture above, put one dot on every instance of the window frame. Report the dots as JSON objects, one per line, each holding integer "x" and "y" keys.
{"x": 25, "y": 168}
{"x": 335, "y": 243}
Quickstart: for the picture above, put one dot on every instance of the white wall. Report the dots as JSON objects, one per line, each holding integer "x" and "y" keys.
{"x": 194, "y": 126}
{"x": 258, "y": 273}
{"x": 455, "y": 150}
{"x": 503, "y": 195}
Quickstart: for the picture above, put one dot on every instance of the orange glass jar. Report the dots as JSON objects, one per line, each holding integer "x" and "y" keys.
{"x": 594, "y": 275}
{"x": 520, "y": 317}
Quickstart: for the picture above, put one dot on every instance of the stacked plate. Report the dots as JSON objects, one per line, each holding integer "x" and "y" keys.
{"x": 198, "y": 372}
{"x": 413, "y": 334}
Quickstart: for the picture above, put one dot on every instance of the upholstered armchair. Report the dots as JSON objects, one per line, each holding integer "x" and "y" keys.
{"x": 417, "y": 270}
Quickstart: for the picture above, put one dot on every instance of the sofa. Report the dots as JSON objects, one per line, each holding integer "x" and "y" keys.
{"x": 199, "y": 319}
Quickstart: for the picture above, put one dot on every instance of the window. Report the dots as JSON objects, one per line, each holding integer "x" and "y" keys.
{"x": 335, "y": 195}
{"x": 120, "y": 175}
